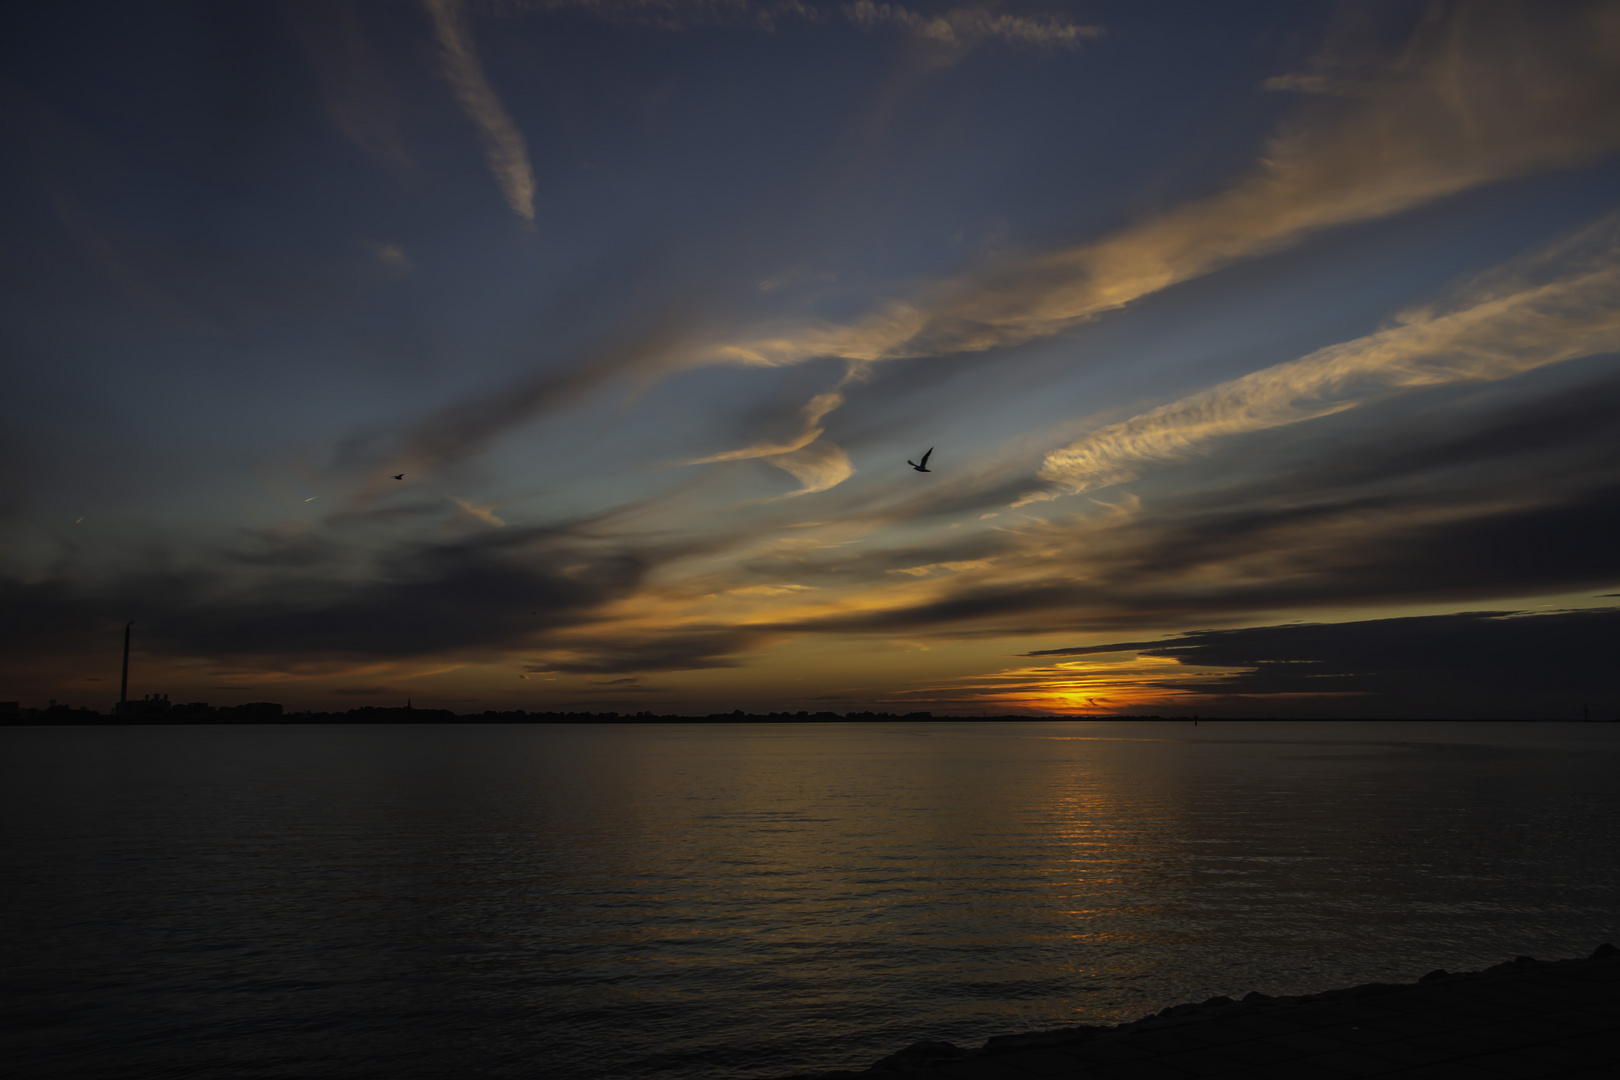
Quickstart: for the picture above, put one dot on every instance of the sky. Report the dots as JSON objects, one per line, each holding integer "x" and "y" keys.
{"x": 1269, "y": 354}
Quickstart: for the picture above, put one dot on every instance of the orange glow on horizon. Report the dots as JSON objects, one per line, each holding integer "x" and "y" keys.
{"x": 1091, "y": 686}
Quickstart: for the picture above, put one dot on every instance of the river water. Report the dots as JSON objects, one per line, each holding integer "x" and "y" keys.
{"x": 726, "y": 901}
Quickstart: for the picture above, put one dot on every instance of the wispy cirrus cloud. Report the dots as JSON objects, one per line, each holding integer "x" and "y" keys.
{"x": 674, "y": 15}
{"x": 819, "y": 466}
{"x": 1395, "y": 143}
{"x": 961, "y": 27}
{"x": 812, "y": 413}
{"x": 482, "y": 512}
{"x": 1559, "y": 304}
{"x": 953, "y": 27}
{"x": 504, "y": 147}
{"x": 360, "y": 99}
{"x": 1490, "y": 92}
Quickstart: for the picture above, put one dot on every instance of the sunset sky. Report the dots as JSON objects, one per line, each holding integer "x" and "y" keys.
{"x": 1270, "y": 355}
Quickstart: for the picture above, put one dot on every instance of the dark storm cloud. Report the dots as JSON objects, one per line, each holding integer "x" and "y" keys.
{"x": 1561, "y": 434}
{"x": 425, "y": 602}
{"x": 287, "y": 546}
{"x": 1507, "y": 499}
{"x": 414, "y": 599}
{"x": 631, "y": 685}
{"x": 960, "y": 606}
{"x": 1483, "y": 663}
{"x": 1359, "y": 552}
{"x": 1373, "y": 549}
{"x": 1247, "y": 564}
{"x": 674, "y": 650}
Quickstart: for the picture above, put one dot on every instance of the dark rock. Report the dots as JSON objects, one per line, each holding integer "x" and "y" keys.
{"x": 928, "y": 1055}
{"x": 1030, "y": 1040}
{"x": 920, "y": 1055}
{"x": 1372, "y": 990}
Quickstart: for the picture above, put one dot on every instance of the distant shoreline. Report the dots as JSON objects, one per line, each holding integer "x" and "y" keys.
{"x": 233, "y": 718}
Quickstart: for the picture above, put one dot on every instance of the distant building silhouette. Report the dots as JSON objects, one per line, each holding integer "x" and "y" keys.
{"x": 150, "y": 705}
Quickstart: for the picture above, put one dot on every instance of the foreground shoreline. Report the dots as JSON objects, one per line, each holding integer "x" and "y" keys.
{"x": 1524, "y": 1017}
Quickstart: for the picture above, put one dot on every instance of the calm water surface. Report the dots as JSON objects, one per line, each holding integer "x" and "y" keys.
{"x": 735, "y": 901}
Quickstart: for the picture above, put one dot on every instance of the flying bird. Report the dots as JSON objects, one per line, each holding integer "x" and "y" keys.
{"x": 399, "y": 476}
{"x": 924, "y": 466}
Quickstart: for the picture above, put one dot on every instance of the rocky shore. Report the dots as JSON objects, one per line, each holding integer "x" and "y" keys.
{"x": 1520, "y": 1018}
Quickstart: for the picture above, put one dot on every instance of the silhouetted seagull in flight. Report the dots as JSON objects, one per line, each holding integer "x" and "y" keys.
{"x": 399, "y": 476}
{"x": 924, "y": 466}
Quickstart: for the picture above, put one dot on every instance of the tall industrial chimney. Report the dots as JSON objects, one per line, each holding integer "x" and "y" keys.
{"x": 123, "y": 687}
